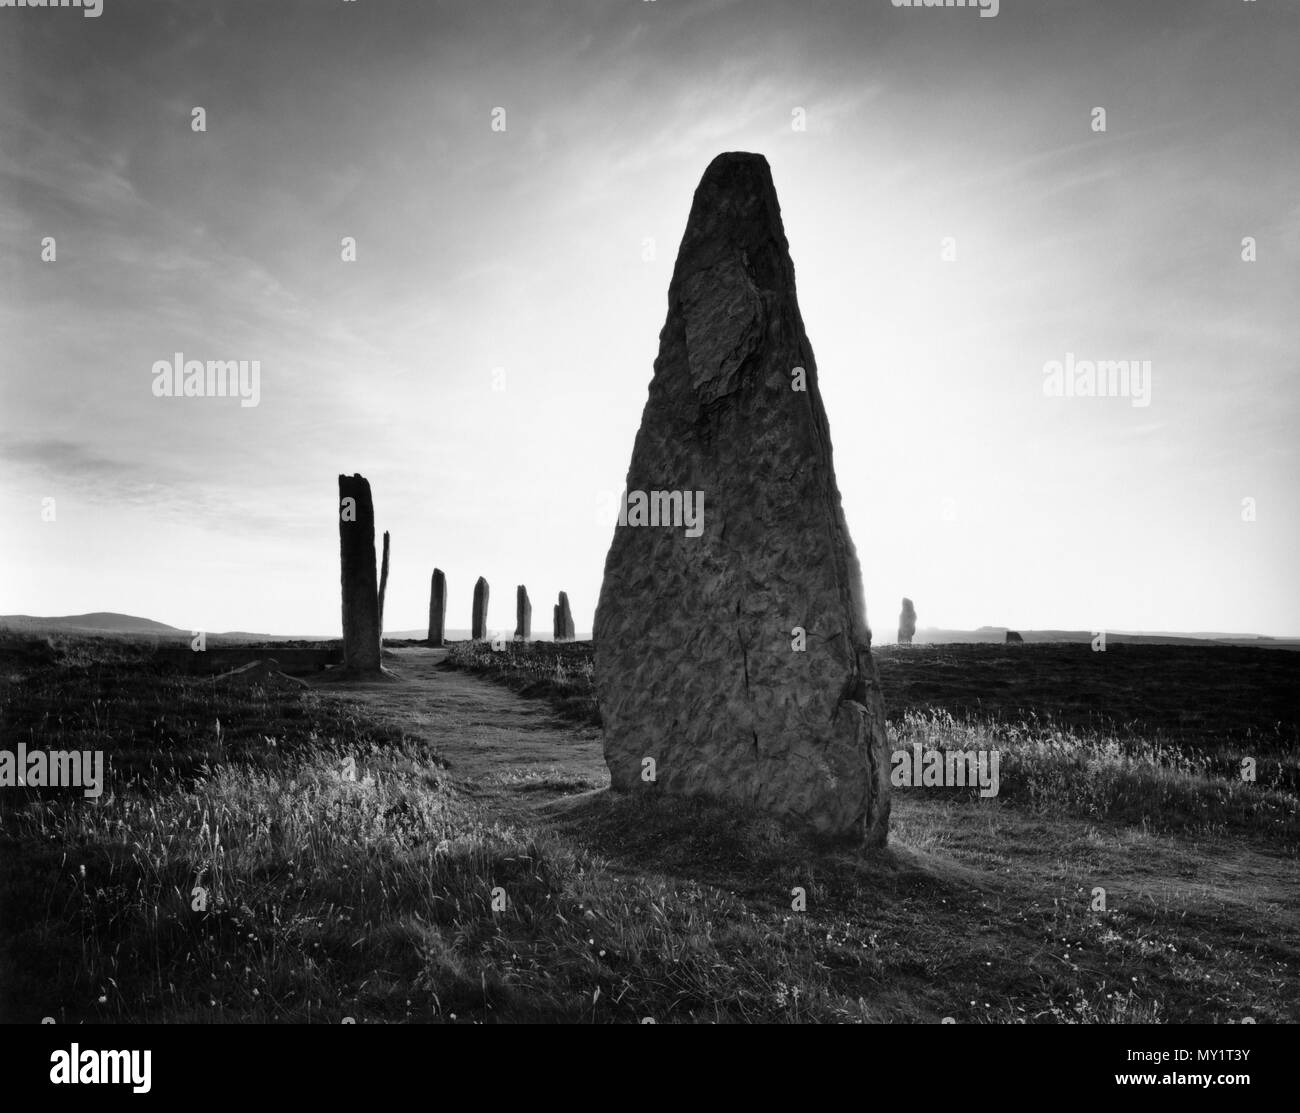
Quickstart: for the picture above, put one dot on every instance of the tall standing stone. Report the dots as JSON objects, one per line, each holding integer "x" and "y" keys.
{"x": 906, "y": 622}
{"x": 523, "y": 614}
{"x": 478, "y": 621}
{"x": 361, "y": 626}
{"x": 563, "y": 619}
{"x": 383, "y": 590}
{"x": 438, "y": 608}
{"x": 732, "y": 646}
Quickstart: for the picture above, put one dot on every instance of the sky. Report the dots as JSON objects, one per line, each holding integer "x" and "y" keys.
{"x": 957, "y": 219}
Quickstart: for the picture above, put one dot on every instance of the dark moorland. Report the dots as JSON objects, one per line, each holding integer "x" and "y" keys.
{"x": 439, "y": 845}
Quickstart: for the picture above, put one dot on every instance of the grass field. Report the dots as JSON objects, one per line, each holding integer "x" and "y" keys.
{"x": 439, "y": 846}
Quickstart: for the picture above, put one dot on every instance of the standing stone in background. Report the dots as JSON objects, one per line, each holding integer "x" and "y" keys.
{"x": 478, "y": 621}
{"x": 731, "y": 639}
{"x": 438, "y": 608}
{"x": 1014, "y": 638}
{"x": 523, "y": 614}
{"x": 906, "y": 623}
{"x": 361, "y": 627}
{"x": 383, "y": 590}
{"x": 563, "y": 619}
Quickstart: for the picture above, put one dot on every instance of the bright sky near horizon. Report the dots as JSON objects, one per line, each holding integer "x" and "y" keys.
{"x": 521, "y": 259}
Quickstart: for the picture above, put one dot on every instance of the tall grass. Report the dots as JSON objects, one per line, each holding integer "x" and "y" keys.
{"x": 1148, "y": 781}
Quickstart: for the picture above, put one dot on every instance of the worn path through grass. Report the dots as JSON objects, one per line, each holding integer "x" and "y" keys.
{"x": 509, "y": 753}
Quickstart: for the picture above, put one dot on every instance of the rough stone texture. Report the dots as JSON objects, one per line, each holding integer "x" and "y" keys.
{"x": 383, "y": 590}
{"x": 523, "y": 614}
{"x": 906, "y": 622}
{"x": 1014, "y": 639}
{"x": 361, "y": 636}
{"x": 563, "y": 619}
{"x": 438, "y": 608}
{"x": 694, "y": 636}
{"x": 478, "y": 620}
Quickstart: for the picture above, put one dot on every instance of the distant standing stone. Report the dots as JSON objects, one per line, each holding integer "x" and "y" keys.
{"x": 563, "y": 619}
{"x": 361, "y": 629}
{"x": 478, "y": 622}
{"x": 438, "y": 608}
{"x": 1014, "y": 639}
{"x": 732, "y": 652}
{"x": 906, "y": 623}
{"x": 523, "y": 614}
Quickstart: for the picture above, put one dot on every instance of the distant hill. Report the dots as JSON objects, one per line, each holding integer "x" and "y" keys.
{"x": 101, "y": 622}
{"x": 107, "y": 622}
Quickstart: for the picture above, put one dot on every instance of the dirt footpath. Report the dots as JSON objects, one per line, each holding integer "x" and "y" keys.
{"x": 500, "y": 747}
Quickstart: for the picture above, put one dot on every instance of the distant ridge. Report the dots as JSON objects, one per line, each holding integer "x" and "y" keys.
{"x": 109, "y": 622}
{"x": 100, "y": 621}
{"x": 931, "y": 635}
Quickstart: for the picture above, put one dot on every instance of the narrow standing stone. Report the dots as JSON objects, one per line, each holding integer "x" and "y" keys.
{"x": 361, "y": 628}
{"x": 383, "y": 590}
{"x": 563, "y": 620}
{"x": 478, "y": 621}
{"x": 438, "y": 608}
{"x": 906, "y": 622}
{"x": 523, "y": 614}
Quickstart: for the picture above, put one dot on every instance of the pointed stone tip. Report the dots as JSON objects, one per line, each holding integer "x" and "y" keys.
{"x": 740, "y": 158}
{"x": 734, "y": 214}
{"x": 738, "y": 170}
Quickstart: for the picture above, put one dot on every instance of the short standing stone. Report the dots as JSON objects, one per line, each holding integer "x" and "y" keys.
{"x": 563, "y": 619}
{"x": 906, "y": 623}
{"x": 438, "y": 608}
{"x": 478, "y": 621}
{"x": 1014, "y": 639}
{"x": 523, "y": 614}
{"x": 732, "y": 652}
{"x": 361, "y": 636}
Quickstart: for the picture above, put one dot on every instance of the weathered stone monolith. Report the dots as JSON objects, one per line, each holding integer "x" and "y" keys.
{"x": 731, "y": 641}
{"x": 563, "y": 619}
{"x": 438, "y": 608}
{"x": 1013, "y": 638}
{"x": 906, "y": 622}
{"x": 478, "y": 620}
{"x": 361, "y": 625}
{"x": 523, "y": 614}
{"x": 383, "y": 590}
